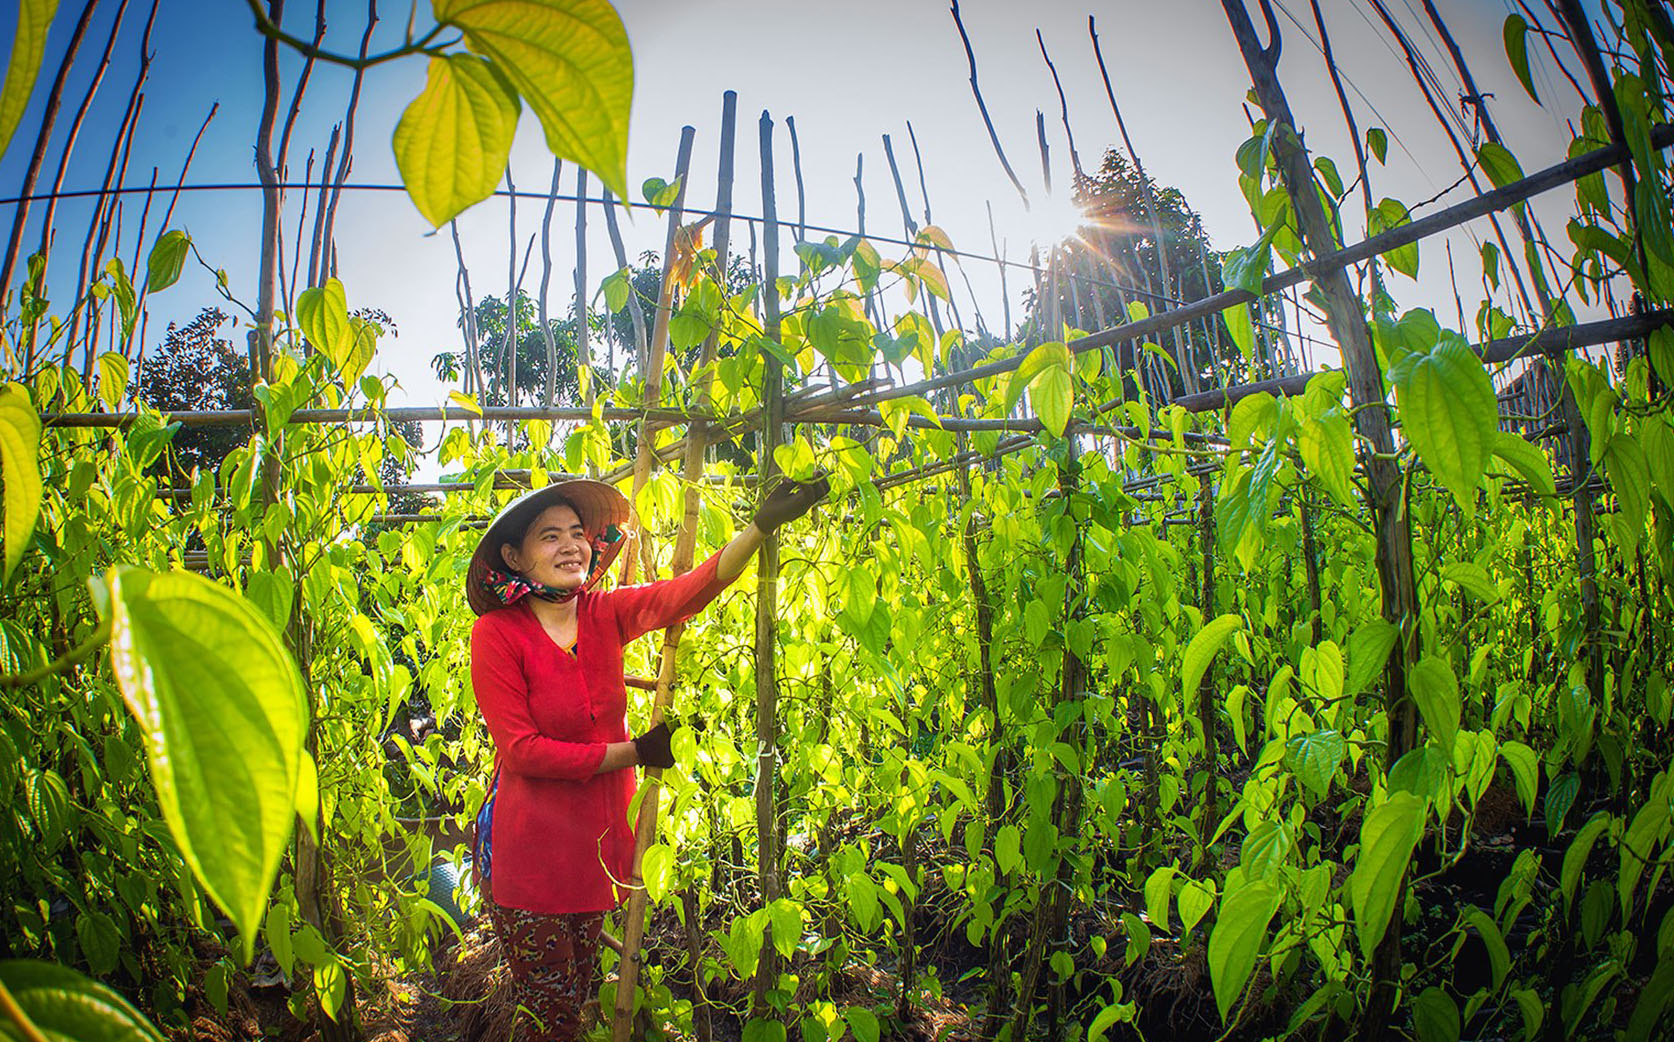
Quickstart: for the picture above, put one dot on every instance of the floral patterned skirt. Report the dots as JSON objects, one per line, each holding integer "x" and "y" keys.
{"x": 554, "y": 967}
{"x": 554, "y": 958}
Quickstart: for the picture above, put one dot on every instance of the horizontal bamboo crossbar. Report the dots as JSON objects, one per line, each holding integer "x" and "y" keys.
{"x": 1554, "y": 341}
{"x": 1569, "y": 171}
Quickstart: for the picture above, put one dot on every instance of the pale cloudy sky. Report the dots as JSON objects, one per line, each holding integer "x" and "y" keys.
{"x": 848, "y": 73}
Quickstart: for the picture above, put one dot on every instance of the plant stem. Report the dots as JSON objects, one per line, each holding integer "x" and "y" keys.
{"x": 81, "y": 652}
{"x": 268, "y": 28}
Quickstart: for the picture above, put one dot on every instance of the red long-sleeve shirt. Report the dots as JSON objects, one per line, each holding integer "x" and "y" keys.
{"x": 561, "y": 832}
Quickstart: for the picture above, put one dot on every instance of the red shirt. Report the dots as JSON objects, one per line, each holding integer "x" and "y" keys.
{"x": 561, "y": 832}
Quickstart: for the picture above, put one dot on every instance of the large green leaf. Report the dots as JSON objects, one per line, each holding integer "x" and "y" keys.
{"x": 224, "y": 715}
{"x": 1528, "y": 461}
{"x": 1327, "y": 446}
{"x": 1516, "y": 33}
{"x": 20, "y": 450}
{"x": 34, "y": 18}
{"x": 1315, "y": 757}
{"x": 1053, "y": 395}
{"x": 168, "y": 257}
{"x": 1201, "y": 651}
{"x": 1449, "y": 413}
{"x": 453, "y": 140}
{"x": 1387, "y": 836}
{"x": 64, "y": 1006}
{"x": 1236, "y": 939}
{"x": 570, "y": 61}
{"x": 1436, "y": 691}
{"x": 1436, "y": 1016}
{"x": 322, "y": 312}
{"x": 1368, "y": 652}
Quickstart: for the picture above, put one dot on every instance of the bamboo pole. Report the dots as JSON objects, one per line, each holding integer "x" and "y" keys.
{"x": 767, "y": 582}
{"x": 48, "y": 226}
{"x": 43, "y": 139}
{"x": 1206, "y": 686}
{"x": 583, "y": 345}
{"x": 328, "y": 249}
{"x": 982, "y": 107}
{"x": 1372, "y": 421}
{"x": 1187, "y": 373}
{"x": 685, "y": 546}
{"x": 636, "y": 313}
{"x": 796, "y": 167}
{"x": 550, "y": 392}
{"x": 652, "y": 364}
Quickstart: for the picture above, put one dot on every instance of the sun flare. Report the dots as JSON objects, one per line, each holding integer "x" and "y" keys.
{"x": 1055, "y": 219}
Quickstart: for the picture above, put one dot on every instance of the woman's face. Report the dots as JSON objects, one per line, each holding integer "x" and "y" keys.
{"x": 554, "y": 550}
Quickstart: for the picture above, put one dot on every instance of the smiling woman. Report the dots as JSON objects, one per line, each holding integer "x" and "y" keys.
{"x": 553, "y": 834}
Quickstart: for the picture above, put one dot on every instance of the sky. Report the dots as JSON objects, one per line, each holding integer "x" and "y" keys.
{"x": 847, "y": 73}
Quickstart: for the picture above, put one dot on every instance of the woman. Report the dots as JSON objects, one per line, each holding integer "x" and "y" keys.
{"x": 553, "y": 838}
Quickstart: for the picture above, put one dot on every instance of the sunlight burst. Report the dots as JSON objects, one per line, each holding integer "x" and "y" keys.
{"x": 1055, "y": 219}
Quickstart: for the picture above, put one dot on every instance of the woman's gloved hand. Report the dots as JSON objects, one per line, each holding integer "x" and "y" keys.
{"x": 651, "y": 749}
{"x": 788, "y": 501}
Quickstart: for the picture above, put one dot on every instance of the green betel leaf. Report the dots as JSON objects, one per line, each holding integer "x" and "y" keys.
{"x": 656, "y": 870}
{"x": 20, "y": 467}
{"x": 571, "y": 62}
{"x": 34, "y": 18}
{"x": 1436, "y": 1016}
{"x": 1236, "y": 939}
{"x": 1527, "y": 459}
{"x": 1240, "y": 328}
{"x": 1498, "y": 163}
{"x": 224, "y": 716}
{"x": 1201, "y": 651}
{"x": 1387, "y": 837}
{"x": 1499, "y": 955}
{"x": 64, "y": 1006}
{"x": 1389, "y": 215}
{"x": 1053, "y": 394}
{"x": 1436, "y": 691}
{"x": 1368, "y": 652}
{"x": 453, "y": 140}
{"x": 322, "y": 312}
{"x": 1327, "y": 446}
{"x": 1525, "y": 771}
{"x": 168, "y": 257}
{"x": 1314, "y": 759}
{"x": 1378, "y": 142}
{"x": 1516, "y": 34}
{"x": 1449, "y": 413}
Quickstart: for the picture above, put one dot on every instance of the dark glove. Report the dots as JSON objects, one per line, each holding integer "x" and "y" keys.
{"x": 651, "y": 749}
{"x": 788, "y": 501}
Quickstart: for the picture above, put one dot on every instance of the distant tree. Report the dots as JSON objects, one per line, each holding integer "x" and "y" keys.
{"x": 530, "y": 351}
{"x": 1117, "y": 261}
{"x": 194, "y": 369}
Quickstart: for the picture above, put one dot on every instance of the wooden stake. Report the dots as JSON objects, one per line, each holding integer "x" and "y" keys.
{"x": 685, "y": 546}
{"x": 651, "y": 364}
{"x": 1372, "y": 421}
{"x": 550, "y": 392}
{"x": 583, "y": 347}
{"x": 767, "y": 581}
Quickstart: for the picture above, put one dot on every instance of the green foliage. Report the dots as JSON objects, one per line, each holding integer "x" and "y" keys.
{"x": 20, "y": 437}
{"x": 62, "y": 1004}
{"x": 569, "y": 59}
{"x": 34, "y": 18}
{"x": 221, "y": 705}
{"x": 453, "y": 140}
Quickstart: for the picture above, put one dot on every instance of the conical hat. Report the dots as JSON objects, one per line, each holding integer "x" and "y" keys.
{"x": 602, "y": 508}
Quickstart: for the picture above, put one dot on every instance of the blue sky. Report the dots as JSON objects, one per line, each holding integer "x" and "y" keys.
{"x": 847, "y": 73}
